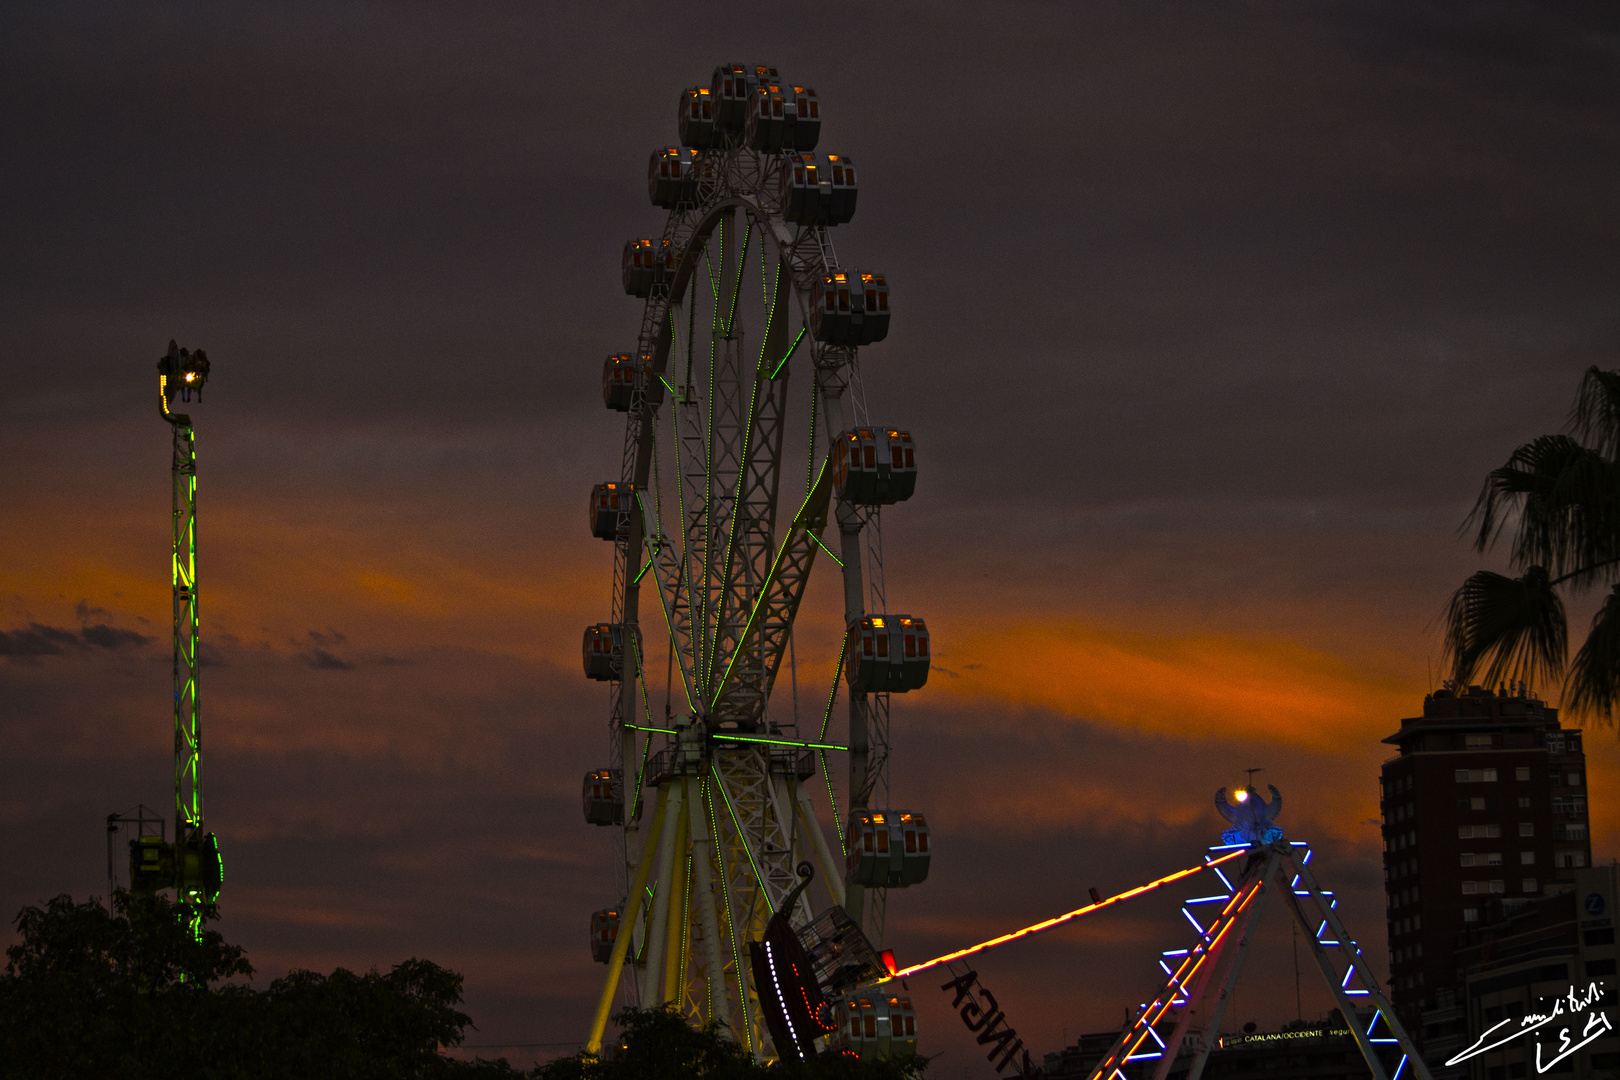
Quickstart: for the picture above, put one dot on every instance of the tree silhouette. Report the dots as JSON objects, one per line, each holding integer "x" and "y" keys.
{"x": 1560, "y": 494}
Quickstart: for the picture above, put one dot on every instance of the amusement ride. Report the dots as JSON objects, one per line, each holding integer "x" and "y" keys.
{"x": 190, "y": 864}
{"x": 709, "y": 792}
{"x": 710, "y": 795}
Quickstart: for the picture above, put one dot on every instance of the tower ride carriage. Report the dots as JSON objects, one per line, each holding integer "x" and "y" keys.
{"x": 737, "y": 478}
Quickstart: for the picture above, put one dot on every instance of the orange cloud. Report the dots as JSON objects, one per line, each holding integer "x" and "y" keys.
{"x": 1199, "y": 685}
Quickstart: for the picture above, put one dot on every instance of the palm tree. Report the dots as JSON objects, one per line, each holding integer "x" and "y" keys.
{"x": 1561, "y": 495}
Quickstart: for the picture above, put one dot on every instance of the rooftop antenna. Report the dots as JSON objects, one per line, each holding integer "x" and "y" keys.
{"x": 1248, "y": 784}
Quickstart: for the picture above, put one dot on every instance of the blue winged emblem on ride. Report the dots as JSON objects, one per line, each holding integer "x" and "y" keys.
{"x": 1250, "y": 815}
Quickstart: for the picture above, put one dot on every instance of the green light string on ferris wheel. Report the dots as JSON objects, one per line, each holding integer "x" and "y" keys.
{"x": 646, "y": 752}
{"x": 641, "y": 680}
{"x": 832, "y": 800}
{"x": 728, "y": 737}
{"x": 830, "y": 554}
{"x": 832, "y": 695}
{"x": 706, "y": 792}
{"x": 736, "y": 289}
{"x": 748, "y": 426}
{"x": 764, "y": 288}
{"x": 783, "y": 363}
{"x": 742, "y": 837}
{"x": 826, "y": 718}
{"x": 704, "y": 650}
{"x": 810, "y": 461}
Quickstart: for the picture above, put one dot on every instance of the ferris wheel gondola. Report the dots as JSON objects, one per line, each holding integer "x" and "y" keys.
{"x": 748, "y": 458}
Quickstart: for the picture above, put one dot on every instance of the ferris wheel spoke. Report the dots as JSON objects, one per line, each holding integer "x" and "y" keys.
{"x": 778, "y": 596}
{"x": 666, "y": 572}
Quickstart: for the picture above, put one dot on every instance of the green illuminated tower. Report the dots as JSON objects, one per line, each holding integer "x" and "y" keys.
{"x": 191, "y": 864}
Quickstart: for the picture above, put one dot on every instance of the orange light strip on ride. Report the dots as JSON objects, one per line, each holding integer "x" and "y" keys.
{"x": 1059, "y": 920}
{"x": 1179, "y": 982}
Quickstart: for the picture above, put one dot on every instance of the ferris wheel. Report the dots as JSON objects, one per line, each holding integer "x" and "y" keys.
{"x": 749, "y": 459}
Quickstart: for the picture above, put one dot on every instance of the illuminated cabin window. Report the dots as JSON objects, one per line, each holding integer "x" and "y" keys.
{"x": 604, "y": 932}
{"x": 604, "y": 797}
{"x": 647, "y": 264}
{"x": 887, "y": 654}
{"x": 817, "y": 189}
{"x": 625, "y": 374}
{"x": 849, "y": 309}
{"x": 875, "y": 1028}
{"x": 609, "y": 500}
{"x": 887, "y": 850}
{"x": 672, "y": 176}
{"x": 781, "y": 117}
{"x": 695, "y": 118}
{"x": 604, "y": 651}
{"x": 874, "y": 466}
{"x": 733, "y": 89}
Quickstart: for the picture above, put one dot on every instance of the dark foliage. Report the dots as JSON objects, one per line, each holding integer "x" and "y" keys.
{"x": 656, "y": 1044}
{"x": 131, "y": 993}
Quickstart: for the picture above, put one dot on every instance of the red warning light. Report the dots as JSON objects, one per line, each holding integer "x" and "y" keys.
{"x": 887, "y": 956}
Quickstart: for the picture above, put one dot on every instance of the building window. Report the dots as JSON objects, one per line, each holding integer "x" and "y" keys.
{"x": 1527, "y": 858}
{"x": 1493, "y": 859}
{"x": 1571, "y": 859}
{"x": 1569, "y": 804}
{"x": 1573, "y": 779}
{"x": 1498, "y": 886}
{"x": 1470, "y": 888}
{"x": 1572, "y": 832}
{"x": 1478, "y": 832}
{"x": 1476, "y": 776}
{"x": 1524, "y": 802}
{"x": 1528, "y": 885}
{"x": 1470, "y": 914}
{"x": 1466, "y": 858}
{"x": 1527, "y": 828}
{"x": 1477, "y": 742}
{"x": 1522, "y": 773}
{"x": 1600, "y": 967}
{"x": 1598, "y": 937}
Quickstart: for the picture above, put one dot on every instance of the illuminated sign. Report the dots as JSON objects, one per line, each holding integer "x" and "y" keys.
{"x": 1573, "y": 1023}
{"x": 985, "y": 1019}
{"x": 1227, "y": 1041}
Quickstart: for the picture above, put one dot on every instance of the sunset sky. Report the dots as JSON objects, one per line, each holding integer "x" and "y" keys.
{"x": 1208, "y": 323}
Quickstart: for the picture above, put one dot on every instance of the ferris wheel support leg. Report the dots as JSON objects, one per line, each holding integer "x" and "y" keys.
{"x": 675, "y": 950}
{"x": 703, "y": 853}
{"x": 831, "y": 873}
{"x": 632, "y": 909}
{"x": 650, "y": 974}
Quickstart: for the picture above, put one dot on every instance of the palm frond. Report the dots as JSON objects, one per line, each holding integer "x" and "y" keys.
{"x": 1596, "y": 418}
{"x": 1566, "y": 497}
{"x": 1593, "y": 686}
{"x": 1513, "y": 627}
